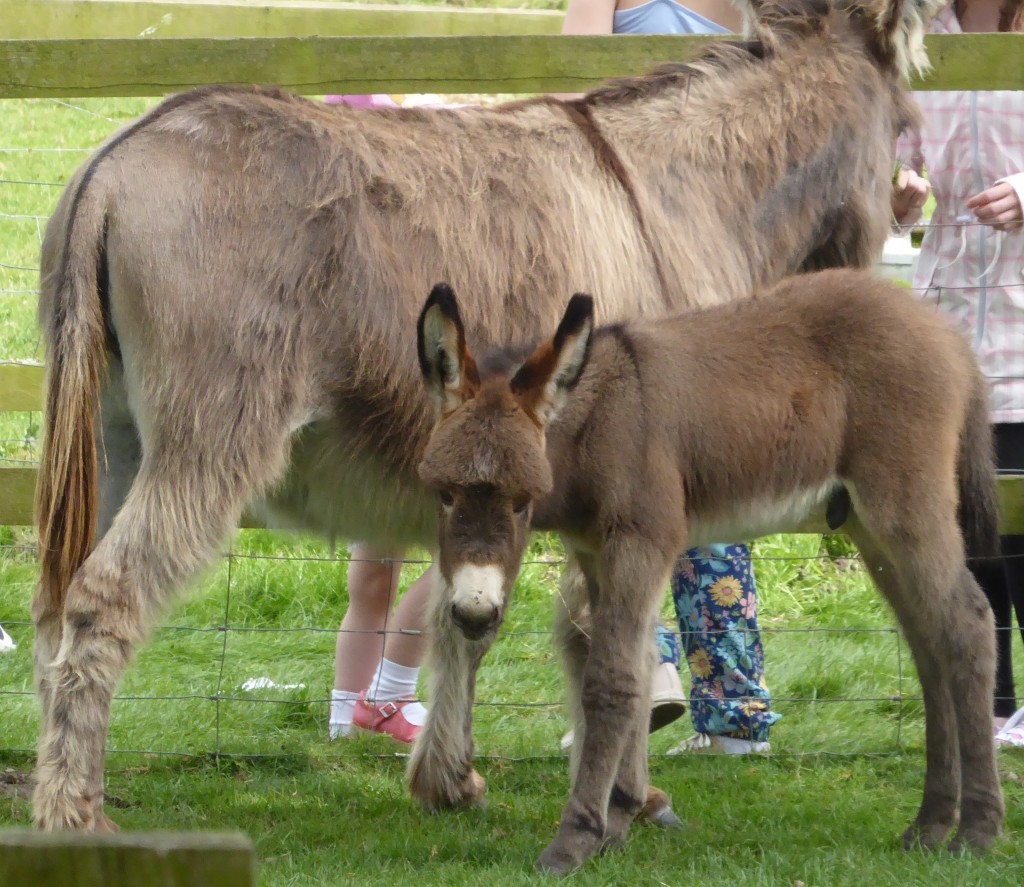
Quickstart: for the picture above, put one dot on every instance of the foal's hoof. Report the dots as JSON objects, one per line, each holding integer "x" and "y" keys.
{"x": 445, "y": 794}
{"x": 555, "y": 861}
{"x": 971, "y": 841}
{"x": 925, "y": 837}
{"x": 664, "y": 818}
{"x": 658, "y": 811}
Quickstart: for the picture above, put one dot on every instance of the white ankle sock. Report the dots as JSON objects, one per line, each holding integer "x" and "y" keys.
{"x": 343, "y": 704}
{"x": 393, "y": 681}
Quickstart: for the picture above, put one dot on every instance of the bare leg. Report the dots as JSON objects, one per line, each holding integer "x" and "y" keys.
{"x": 373, "y": 586}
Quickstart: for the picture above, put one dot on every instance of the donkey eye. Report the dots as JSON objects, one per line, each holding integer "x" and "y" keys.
{"x": 447, "y": 499}
{"x": 519, "y": 506}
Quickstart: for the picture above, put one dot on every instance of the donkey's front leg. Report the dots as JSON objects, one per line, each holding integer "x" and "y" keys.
{"x": 611, "y": 771}
{"x": 441, "y": 773}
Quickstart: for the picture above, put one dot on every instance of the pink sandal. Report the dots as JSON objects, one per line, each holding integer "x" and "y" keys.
{"x": 386, "y": 718}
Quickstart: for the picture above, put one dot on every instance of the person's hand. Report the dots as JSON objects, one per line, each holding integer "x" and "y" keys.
{"x": 998, "y": 206}
{"x": 909, "y": 193}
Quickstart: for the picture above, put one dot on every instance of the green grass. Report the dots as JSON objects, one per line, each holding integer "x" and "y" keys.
{"x": 824, "y": 810}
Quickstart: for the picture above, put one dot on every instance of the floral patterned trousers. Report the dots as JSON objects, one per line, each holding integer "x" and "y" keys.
{"x": 715, "y": 598}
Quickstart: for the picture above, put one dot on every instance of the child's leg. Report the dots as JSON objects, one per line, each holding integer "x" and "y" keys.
{"x": 378, "y": 652}
{"x": 716, "y": 603}
{"x": 372, "y": 586}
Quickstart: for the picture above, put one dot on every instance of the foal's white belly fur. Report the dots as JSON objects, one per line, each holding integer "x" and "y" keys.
{"x": 749, "y": 519}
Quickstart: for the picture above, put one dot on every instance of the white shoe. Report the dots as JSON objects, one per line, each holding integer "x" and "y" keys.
{"x": 668, "y": 703}
{"x": 1012, "y": 732}
{"x": 705, "y": 744}
{"x": 6, "y": 642}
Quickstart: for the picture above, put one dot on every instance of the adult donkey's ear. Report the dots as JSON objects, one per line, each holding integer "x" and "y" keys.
{"x": 543, "y": 383}
{"x": 449, "y": 371}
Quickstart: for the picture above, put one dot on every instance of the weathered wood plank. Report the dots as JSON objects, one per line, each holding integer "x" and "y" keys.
{"x": 29, "y": 19}
{"x": 474, "y": 64}
{"x": 21, "y": 387}
{"x": 17, "y": 496}
{"x": 168, "y": 859}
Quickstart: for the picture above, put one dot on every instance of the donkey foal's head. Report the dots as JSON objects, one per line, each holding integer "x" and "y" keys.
{"x": 485, "y": 456}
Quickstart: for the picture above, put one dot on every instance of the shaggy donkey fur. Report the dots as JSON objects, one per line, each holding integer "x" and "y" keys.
{"x": 229, "y": 287}
{"x": 638, "y": 441}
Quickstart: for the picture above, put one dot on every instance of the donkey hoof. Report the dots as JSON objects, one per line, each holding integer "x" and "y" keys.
{"x": 971, "y": 841}
{"x": 664, "y": 818}
{"x": 613, "y": 844}
{"x": 558, "y": 862}
{"x": 925, "y": 837}
{"x": 448, "y": 796}
{"x": 657, "y": 810}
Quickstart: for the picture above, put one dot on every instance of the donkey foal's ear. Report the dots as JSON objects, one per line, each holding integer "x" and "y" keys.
{"x": 543, "y": 383}
{"x": 449, "y": 372}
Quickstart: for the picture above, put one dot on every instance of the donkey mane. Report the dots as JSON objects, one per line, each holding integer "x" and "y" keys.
{"x": 779, "y": 25}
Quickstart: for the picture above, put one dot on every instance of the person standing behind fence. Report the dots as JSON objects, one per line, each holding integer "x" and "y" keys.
{"x": 713, "y": 589}
{"x": 972, "y": 267}
{"x": 379, "y": 649}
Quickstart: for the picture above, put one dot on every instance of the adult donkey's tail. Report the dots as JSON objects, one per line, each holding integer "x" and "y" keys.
{"x": 976, "y": 473}
{"x": 72, "y": 319}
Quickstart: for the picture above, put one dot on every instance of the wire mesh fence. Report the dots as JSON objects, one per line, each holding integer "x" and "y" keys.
{"x": 245, "y": 665}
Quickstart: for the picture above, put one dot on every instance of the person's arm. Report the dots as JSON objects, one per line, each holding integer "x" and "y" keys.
{"x": 910, "y": 189}
{"x": 589, "y": 17}
{"x": 909, "y": 193}
{"x": 1001, "y": 205}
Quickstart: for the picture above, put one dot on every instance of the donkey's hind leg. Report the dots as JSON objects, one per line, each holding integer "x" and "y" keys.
{"x": 180, "y": 508}
{"x": 948, "y": 626}
{"x": 118, "y": 456}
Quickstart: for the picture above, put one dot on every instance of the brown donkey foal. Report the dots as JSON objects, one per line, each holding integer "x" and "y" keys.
{"x": 834, "y": 393}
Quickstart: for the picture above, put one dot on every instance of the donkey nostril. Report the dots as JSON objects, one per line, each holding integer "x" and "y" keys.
{"x": 476, "y": 624}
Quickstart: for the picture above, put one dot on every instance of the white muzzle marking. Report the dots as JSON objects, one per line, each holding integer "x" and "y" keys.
{"x": 477, "y": 591}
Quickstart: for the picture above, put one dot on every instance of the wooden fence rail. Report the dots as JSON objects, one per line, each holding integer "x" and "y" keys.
{"x": 63, "y": 68}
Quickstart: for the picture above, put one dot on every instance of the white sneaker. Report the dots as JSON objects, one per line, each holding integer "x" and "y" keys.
{"x": 1012, "y": 732}
{"x": 6, "y": 642}
{"x": 710, "y": 744}
{"x": 668, "y": 702}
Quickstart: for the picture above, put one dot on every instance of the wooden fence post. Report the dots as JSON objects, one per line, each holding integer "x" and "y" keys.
{"x": 131, "y": 859}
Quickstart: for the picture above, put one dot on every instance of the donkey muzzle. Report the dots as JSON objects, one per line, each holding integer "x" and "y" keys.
{"x": 475, "y": 625}
{"x": 477, "y": 598}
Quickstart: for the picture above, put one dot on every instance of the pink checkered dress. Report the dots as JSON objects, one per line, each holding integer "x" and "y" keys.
{"x": 973, "y": 273}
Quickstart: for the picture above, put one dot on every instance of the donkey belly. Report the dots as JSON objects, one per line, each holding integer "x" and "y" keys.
{"x": 745, "y": 519}
{"x": 339, "y": 490}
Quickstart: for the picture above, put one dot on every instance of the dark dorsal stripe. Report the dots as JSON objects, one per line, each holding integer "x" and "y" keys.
{"x": 580, "y": 113}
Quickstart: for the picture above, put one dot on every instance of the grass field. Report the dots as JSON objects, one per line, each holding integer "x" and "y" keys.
{"x": 192, "y": 749}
